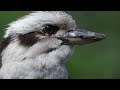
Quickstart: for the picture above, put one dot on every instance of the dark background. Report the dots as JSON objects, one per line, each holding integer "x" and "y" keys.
{"x": 94, "y": 61}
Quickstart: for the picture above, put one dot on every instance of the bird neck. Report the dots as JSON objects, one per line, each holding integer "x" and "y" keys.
{"x": 47, "y": 65}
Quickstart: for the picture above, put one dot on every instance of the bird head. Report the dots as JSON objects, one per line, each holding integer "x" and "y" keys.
{"x": 43, "y": 29}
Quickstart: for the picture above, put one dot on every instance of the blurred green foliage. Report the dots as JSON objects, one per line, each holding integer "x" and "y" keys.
{"x": 94, "y": 61}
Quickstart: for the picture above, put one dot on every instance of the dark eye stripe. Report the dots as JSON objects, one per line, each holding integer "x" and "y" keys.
{"x": 28, "y": 39}
{"x": 5, "y": 42}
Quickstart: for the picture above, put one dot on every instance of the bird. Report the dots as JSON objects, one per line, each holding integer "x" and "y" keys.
{"x": 37, "y": 45}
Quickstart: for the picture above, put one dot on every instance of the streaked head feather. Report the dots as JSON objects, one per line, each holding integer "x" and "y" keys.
{"x": 37, "y": 19}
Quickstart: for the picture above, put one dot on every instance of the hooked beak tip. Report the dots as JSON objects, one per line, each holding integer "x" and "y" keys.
{"x": 99, "y": 37}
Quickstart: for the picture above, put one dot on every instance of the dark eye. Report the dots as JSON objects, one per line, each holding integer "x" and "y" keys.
{"x": 81, "y": 37}
{"x": 50, "y": 29}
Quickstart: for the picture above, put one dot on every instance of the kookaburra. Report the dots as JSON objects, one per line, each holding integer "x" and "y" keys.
{"x": 37, "y": 45}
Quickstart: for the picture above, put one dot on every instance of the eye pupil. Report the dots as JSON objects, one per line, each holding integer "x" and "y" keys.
{"x": 81, "y": 37}
{"x": 50, "y": 29}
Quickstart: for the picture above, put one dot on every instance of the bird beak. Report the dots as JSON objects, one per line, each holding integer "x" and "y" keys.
{"x": 81, "y": 37}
